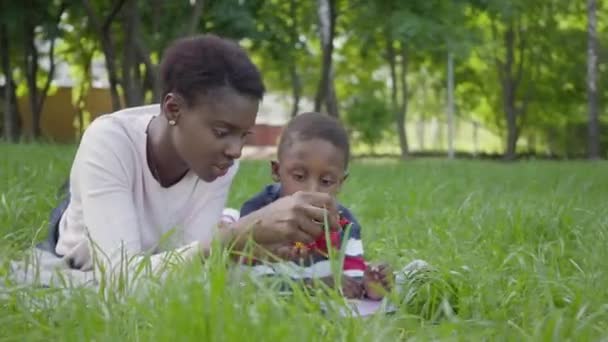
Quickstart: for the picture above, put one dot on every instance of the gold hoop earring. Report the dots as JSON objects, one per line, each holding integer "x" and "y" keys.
{"x": 172, "y": 122}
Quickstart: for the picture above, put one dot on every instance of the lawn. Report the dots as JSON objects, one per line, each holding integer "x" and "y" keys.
{"x": 524, "y": 244}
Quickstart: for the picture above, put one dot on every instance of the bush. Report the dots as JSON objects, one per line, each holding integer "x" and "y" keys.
{"x": 369, "y": 117}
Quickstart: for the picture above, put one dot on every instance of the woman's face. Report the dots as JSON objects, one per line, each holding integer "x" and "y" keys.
{"x": 210, "y": 134}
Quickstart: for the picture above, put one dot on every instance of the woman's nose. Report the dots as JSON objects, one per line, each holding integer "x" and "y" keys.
{"x": 234, "y": 148}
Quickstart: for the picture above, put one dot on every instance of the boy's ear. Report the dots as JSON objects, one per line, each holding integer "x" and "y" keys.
{"x": 274, "y": 170}
{"x": 344, "y": 177}
{"x": 342, "y": 180}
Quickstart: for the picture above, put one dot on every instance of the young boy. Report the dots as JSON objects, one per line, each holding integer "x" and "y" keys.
{"x": 313, "y": 155}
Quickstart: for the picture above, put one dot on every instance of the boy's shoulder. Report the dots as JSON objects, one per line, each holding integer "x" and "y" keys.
{"x": 269, "y": 194}
{"x": 345, "y": 212}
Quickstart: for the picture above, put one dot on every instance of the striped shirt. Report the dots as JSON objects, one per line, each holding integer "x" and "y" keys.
{"x": 318, "y": 265}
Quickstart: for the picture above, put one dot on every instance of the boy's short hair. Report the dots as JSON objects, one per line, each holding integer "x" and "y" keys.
{"x": 313, "y": 125}
{"x": 196, "y": 65}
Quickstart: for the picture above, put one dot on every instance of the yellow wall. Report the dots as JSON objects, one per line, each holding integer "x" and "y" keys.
{"x": 58, "y": 114}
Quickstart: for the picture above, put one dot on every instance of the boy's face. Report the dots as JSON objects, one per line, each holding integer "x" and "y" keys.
{"x": 312, "y": 165}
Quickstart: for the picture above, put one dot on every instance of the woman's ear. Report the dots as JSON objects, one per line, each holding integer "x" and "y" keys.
{"x": 172, "y": 105}
{"x": 274, "y": 170}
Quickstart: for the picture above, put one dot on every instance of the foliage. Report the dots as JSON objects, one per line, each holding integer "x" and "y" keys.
{"x": 369, "y": 117}
{"x": 550, "y": 41}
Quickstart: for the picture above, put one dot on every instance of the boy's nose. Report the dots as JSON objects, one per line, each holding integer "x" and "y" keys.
{"x": 313, "y": 186}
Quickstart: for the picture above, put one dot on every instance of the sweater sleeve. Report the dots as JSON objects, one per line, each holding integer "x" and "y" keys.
{"x": 206, "y": 213}
{"x": 105, "y": 173}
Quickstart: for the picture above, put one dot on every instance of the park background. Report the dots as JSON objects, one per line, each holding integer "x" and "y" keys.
{"x": 517, "y": 242}
{"x": 478, "y": 77}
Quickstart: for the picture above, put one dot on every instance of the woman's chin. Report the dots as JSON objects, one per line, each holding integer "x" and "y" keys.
{"x": 211, "y": 174}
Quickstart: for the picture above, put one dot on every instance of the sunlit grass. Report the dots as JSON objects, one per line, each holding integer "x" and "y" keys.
{"x": 523, "y": 248}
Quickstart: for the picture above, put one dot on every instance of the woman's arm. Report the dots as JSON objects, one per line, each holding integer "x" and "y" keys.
{"x": 281, "y": 223}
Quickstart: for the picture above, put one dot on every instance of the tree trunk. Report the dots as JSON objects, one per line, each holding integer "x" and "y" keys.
{"x": 31, "y": 72}
{"x": 475, "y": 138}
{"x": 532, "y": 143}
{"x": 508, "y": 88}
{"x": 195, "y": 19}
{"x": 128, "y": 58}
{"x": 85, "y": 86}
{"x": 510, "y": 75}
{"x": 296, "y": 82}
{"x": 450, "y": 105}
{"x": 157, "y": 11}
{"x": 401, "y": 115}
{"x": 109, "y": 56}
{"x": 398, "y": 111}
{"x": 511, "y": 116}
{"x": 104, "y": 32}
{"x": 331, "y": 100}
{"x": 592, "y": 81}
{"x": 37, "y": 96}
{"x": 327, "y": 18}
{"x": 296, "y": 89}
{"x": 151, "y": 76}
{"x": 131, "y": 76}
{"x": 11, "y": 128}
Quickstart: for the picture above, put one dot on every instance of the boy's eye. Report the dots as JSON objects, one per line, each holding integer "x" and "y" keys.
{"x": 327, "y": 182}
{"x": 220, "y": 132}
{"x": 298, "y": 176}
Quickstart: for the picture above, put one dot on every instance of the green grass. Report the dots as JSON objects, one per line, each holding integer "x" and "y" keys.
{"x": 524, "y": 244}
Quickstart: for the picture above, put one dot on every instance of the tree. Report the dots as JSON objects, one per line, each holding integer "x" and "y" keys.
{"x": 368, "y": 115}
{"x": 279, "y": 47}
{"x": 592, "y": 82}
{"x": 164, "y": 21}
{"x": 450, "y": 105}
{"x": 398, "y": 80}
{"x": 513, "y": 32}
{"x": 103, "y": 28}
{"x": 78, "y": 48}
{"x": 326, "y": 93}
{"x": 11, "y": 114}
{"x": 32, "y": 61}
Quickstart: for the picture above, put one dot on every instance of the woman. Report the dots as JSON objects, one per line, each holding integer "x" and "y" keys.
{"x": 144, "y": 173}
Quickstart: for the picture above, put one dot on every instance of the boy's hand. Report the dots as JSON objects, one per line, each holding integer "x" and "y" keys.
{"x": 351, "y": 288}
{"x": 378, "y": 279}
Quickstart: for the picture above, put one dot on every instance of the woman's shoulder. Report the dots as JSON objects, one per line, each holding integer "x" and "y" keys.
{"x": 123, "y": 122}
{"x": 116, "y": 136}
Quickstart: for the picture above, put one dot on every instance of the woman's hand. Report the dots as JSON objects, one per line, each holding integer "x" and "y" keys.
{"x": 290, "y": 219}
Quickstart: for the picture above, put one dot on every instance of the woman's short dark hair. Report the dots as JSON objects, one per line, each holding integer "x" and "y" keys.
{"x": 194, "y": 66}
